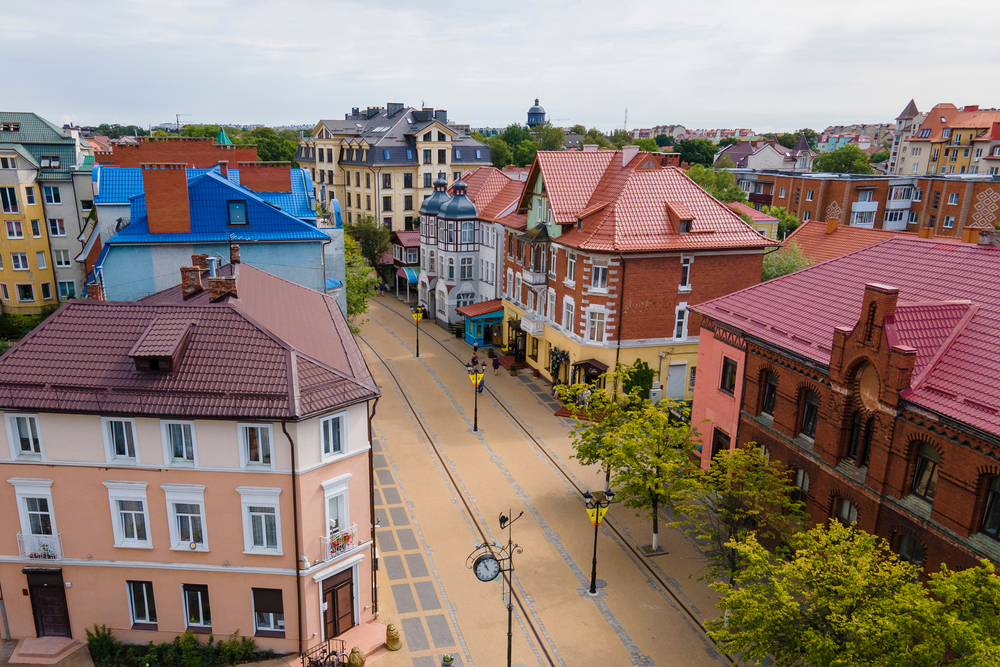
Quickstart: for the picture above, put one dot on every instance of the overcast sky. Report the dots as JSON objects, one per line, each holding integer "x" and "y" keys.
{"x": 762, "y": 65}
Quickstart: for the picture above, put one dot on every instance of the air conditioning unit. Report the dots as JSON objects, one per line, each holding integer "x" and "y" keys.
{"x": 656, "y": 393}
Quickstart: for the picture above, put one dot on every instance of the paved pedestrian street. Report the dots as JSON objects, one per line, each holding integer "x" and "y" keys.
{"x": 440, "y": 488}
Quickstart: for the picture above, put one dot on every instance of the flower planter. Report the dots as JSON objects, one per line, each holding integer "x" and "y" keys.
{"x": 513, "y": 370}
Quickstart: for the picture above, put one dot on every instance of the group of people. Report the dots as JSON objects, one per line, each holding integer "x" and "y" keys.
{"x": 475, "y": 358}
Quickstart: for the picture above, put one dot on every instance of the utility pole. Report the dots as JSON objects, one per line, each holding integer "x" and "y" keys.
{"x": 625, "y": 125}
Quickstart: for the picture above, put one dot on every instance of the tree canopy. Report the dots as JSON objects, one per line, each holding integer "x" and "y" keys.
{"x": 114, "y": 130}
{"x": 788, "y": 139}
{"x": 500, "y": 153}
{"x": 847, "y": 159}
{"x": 717, "y": 182}
{"x": 727, "y": 141}
{"x": 664, "y": 140}
{"x": 782, "y": 262}
{"x": 524, "y": 153}
{"x": 787, "y": 222}
{"x": 647, "y": 145}
{"x": 372, "y": 238}
{"x": 621, "y": 138}
{"x": 578, "y": 129}
{"x": 360, "y": 281}
{"x": 595, "y": 136}
{"x": 549, "y": 137}
{"x": 697, "y": 151}
{"x": 515, "y": 134}
{"x": 880, "y": 156}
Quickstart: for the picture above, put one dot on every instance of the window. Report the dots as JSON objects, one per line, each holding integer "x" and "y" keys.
{"x": 479, "y": 154}
{"x": 196, "y": 607}
{"x": 386, "y": 178}
{"x": 357, "y": 179}
{"x": 945, "y": 133}
{"x": 67, "y": 289}
{"x": 8, "y": 162}
{"x": 720, "y": 441}
{"x": 368, "y": 202}
{"x": 948, "y": 222}
{"x": 686, "y": 273}
{"x": 186, "y": 508}
{"x": 268, "y": 612}
{"x": 36, "y": 229}
{"x": 802, "y": 486}
{"x": 926, "y": 473}
{"x": 554, "y": 256}
{"x": 29, "y": 193}
{"x": 385, "y": 156}
{"x": 427, "y": 156}
{"x": 595, "y": 326}
{"x": 19, "y": 261}
{"x": 466, "y": 266}
{"x": 255, "y": 445}
{"x": 599, "y": 278}
{"x": 407, "y": 202}
{"x": 728, "y": 382}
{"x": 465, "y": 299}
{"x": 237, "y": 213}
{"x": 680, "y": 321}
{"x": 550, "y": 305}
{"x": 62, "y": 257}
{"x": 179, "y": 445}
{"x": 468, "y": 232}
{"x": 261, "y": 520}
{"x": 141, "y": 605}
{"x": 119, "y": 439}
{"x": 894, "y": 215}
{"x": 567, "y": 317}
{"x": 806, "y": 215}
{"x": 570, "y": 267}
{"x": 52, "y": 194}
{"x": 25, "y": 293}
{"x": 8, "y": 197}
{"x": 865, "y": 196}
{"x": 334, "y": 433}
{"x": 337, "y": 507}
{"x": 427, "y": 181}
{"x": 348, "y": 199}
{"x": 810, "y": 413}
{"x": 46, "y": 290}
{"x": 953, "y": 198}
{"x": 387, "y": 204}
{"x": 407, "y": 177}
{"x": 845, "y": 512}
{"x": 23, "y": 434}
{"x": 14, "y": 230}
{"x": 911, "y": 550}
{"x": 781, "y": 193}
{"x": 809, "y": 195}
{"x": 40, "y": 259}
{"x": 442, "y": 156}
{"x": 368, "y": 179}
{"x": 991, "y": 514}
{"x": 442, "y": 136}
{"x": 129, "y": 514}
{"x": 451, "y": 268}
{"x": 411, "y": 255}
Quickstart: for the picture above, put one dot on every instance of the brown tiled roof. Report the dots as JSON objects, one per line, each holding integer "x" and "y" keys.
{"x": 277, "y": 351}
{"x": 514, "y": 221}
{"x": 818, "y": 246}
{"x": 409, "y": 239}
{"x": 481, "y": 308}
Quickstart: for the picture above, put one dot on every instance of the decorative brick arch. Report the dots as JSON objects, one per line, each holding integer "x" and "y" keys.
{"x": 840, "y": 494}
{"x": 991, "y": 470}
{"x": 913, "y": 450}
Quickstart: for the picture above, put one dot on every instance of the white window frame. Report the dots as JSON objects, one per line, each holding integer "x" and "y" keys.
{"x": 19, "y": 261}
{"x": 59, "y": 285}
{"x": 333, "y": 488}
{"x": 781, "y": 193}
{"x": 14, "y": 442}
{"x": 187, "y": 613}
{"x": 342, "y": 416}
{"x": 686, "y": 262}
{"x": 131, "y": 601}
{"x": 193, "y": 494}
{"x": 13, "y": 226}
{"x": 952, "y": 198}
{"x": 570, "y": 279}
{"x": 255, "y": 496}
{"x": 595, "y": 334}
{"x": 509, "y": 287}
{"x": 245, "y": 461}
{"x": 60, "y": 227}
{"x": 62, "y": 258}
{"x": 109, "y": 450}
{"x": 553, "y": 259}
{"x": 119, "y": 490}
{"x": 595, "y": 271}
{"x": 948, "y": 222}
{"x": 682, "y": 307}
{"x": 550, "y": 306}
{"x": 568, "y": 326}
{"x": 168, "y": 450}
{"x": 26, "y": 487}
{"x": 466, "y": 268}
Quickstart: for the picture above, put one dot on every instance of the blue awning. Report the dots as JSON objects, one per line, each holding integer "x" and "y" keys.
{"x": 409, "y": 273}
{"x": 332, "y": 283}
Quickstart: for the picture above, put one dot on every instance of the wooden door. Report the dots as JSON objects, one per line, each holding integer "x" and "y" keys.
{"x": 48, "y": 604}
{"x": 345, "y": 607}
{"x": 338, "y": 597}
{"x": 496, "y": 339}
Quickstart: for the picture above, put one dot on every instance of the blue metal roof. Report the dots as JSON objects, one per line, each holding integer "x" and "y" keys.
{"x": 409, "y": 272}
{"x": 332, "y": 283}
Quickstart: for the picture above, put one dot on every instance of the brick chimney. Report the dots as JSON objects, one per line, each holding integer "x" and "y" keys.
{"x": 190, "y": 281}
{"x": 925, "y": 232}
{"x": 224, "y": 168}
{"x": 628, "y": 153}
{"x": 590, "y": 148}
{"x": 201, "y": 261}
{"x": 266, "y": 176}
{"x": 234, "y": 254}
{"x": 832, "y": 224}
{"x": 165, "y": 185}
{"x": 219, "y": 288}
{"x": 94, "y": 292}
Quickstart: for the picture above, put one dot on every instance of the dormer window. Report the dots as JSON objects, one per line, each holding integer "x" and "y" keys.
{"x": 238, "y": 212}
{"x": 161, "y": 345}
{"x": 685, "y": 226}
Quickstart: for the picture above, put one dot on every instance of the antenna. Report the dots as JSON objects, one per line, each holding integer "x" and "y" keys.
{"x": 625, "y": 126}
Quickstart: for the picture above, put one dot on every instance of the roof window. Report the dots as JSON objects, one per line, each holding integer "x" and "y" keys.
{"x": 161, "y": 345}
{"x": 385, "y": 153}
{"x": 238, "y": 212}
{"x": 10, "y": 127}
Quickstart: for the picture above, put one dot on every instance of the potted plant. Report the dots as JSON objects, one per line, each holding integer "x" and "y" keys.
{"x": 447, "y": 659}
{"x": 513, "y": 368}
{"x": 490, "y": 353}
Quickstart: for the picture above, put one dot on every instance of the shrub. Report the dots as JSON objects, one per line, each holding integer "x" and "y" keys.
{"x": 184, "y": 651}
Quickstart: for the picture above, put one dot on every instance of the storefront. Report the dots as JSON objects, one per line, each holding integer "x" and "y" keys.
{"x": 483, "y": 322}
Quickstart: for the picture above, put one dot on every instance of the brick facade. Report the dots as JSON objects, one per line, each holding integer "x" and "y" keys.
{"x": 166, "y": 189}
{"x": 199, "y": 153}
{"x": 266, "y": 176}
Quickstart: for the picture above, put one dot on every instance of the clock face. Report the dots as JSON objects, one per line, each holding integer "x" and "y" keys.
{"x": 486, "y": 567}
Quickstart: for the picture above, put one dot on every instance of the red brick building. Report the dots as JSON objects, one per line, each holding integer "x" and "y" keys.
{"x": 197, "y": 152}
{"x": 874, "y": 377}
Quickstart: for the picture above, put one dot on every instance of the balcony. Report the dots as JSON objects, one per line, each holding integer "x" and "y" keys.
{"x": 864, "y": 206}
{"x": 41, "y": 547}
{"x": 895, "y": 204}
{"x": 339, "y": 543}
{"x": 533, "y": 324}
{"x": 532, "y": 276}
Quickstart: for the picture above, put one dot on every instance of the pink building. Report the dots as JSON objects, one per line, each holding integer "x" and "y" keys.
{"x": 196, "y": 460}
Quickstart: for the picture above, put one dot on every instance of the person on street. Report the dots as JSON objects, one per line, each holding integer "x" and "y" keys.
{"x": 496, "y": 364}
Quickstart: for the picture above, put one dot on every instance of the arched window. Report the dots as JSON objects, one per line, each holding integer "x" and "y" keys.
{"x": 866, "y": 454}
{"x": 991, "y": 517}
{"x": 810, "y": 414}
{"x": 910, "y": 550}
{"x": 802, "y": 486}
{"x": 770, "y": 394}
{"x": 926, "y": 474}
{"x": 845, "y": 512}
{"x": 855, "y": 442}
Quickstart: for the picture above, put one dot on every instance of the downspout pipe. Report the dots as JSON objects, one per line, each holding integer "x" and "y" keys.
{"x": 621, "y": 316}
{"x": 371, "y": 500}
{"x": 295, "y": 527}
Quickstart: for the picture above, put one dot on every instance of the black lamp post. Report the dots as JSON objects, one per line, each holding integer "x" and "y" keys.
{"x": 490, "y": 560}
{"x": 418, "y": 314}
{"x": 476, "y": 375}
{"x": 597, "y": 505}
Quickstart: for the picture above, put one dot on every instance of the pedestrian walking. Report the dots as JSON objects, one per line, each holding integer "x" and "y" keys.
{"x": 496, "y": 365}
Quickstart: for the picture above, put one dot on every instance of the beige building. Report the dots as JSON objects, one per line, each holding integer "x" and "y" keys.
{"x": 383, "y": 162}
{"x": 215, "y": 477}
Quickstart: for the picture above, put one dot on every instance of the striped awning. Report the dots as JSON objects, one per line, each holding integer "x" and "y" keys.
{"x": 409, "y": 273}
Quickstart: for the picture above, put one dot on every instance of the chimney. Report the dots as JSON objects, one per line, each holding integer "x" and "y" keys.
{"x": 266, "y": 176}
{"x": 971, "y": 107}
{"x": 94, "y": 292}
{"x": 219, "y": 288}
{"x": 201, "y": 261}
{"x": 165, "y": 185}
{"x": 441, "y": 116}
{"x": 629, "y": 152}
{"x": 234, "y": 254}
{"x": 832, "y": 224}
{"x": 970, "y": 235}
{"x": 190, "y": 281}
{"x": 224, "y": 168}
{"x": 213, "y": 266}
{"x": 590, "y": 148}
{"x": 925, "y": 232}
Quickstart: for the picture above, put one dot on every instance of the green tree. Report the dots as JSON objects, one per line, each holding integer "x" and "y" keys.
{"x": 647, "y": 145}
{"x": 192, "y": 130}
{"x": 595, "y": 136}
{"x": 361, "y": 280}
{"x": 371, "y": 237}
{"x": 664, "y": 140}
{"x": 549, "y": 137}
{"x": 742, "y": 493}
{"x": 724, "y": 162}
{"x": 653, "y": 452}
{"x": 515, "y": 134}
{"x": 880, "y": 156}
{"x": 786, "y": 139}
{"x": 847, "y": 159}
{"x": 160, "y": 133}
{"x": 639, "y": 376}
{"x": 114, "y": 130}
{"x": 621, "y": 138}
{"x": 727, "y": 141}
{"x": 479, "y": 137}
{"x": 287, "y": 134}
{"x": 697, "y": 151}
{"x": 844, "y": 598}
{"x": 782, "y": 262}
{"x": 718, "y": 183}
{"x": 500, "y": 153}
{"x": 578, "y": 129}
{"x": 787, "y": 222}
{"x": 271, "y": 147}
{"x": 524, "y": 153}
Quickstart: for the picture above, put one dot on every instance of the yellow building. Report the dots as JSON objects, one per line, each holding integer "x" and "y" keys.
{"x": 27, "y": 281}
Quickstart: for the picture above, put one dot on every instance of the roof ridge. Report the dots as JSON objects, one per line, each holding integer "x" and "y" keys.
{"x": 925, "y": 372}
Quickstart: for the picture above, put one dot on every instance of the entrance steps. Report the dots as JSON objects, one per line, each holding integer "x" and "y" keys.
{"x": 51, "y": 651}
{"x": 369, "y": 637}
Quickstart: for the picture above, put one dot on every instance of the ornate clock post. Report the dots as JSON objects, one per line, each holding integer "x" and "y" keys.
{"x": 490, "y": 559}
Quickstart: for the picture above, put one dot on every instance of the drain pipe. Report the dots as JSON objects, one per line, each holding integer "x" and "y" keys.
{"x": 295, "y": 528}
{"x": 371, "y": 500}
{"x": 621, "y": 315}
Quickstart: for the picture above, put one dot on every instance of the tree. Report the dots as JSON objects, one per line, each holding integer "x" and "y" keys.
{"x": 621, "y": 138}
{"x": 844, "y": 598}
{"x": 192, "y": 130}
{"x": 360, "y": 282}
{"x": 578, "y": 129}
{"x": 371, "y": 237}
{"x": 697, "y": 151}
{"x": 742, "y": 493}
{"x": 727, "y": 141}
{"x": 718, "y": 183}
{"x": 653, "y": 452}
{"x": 664, "y": 140}
{"x": 114, "y": 130}
{"x": 880, "y": 156}
{"x": 271, "y": 147}
{"x": 782, "y": 262}
{"x": 787, "y": 222}
{"x": 724, "y": 162}
{"x": 500, "y": 154}
{"x": 160, "y": 133}
{"x": 647, "y": 145}
{"x": 515, "y": 134}
{"x": 524, "y": 153}
{"x": 479, "y": 137}
{"x": 847, "y": 159}
{"x": 812, "y": 136}
{"x": 595, "y": 136}
{"x": 549, "y": 137}
{"x": 786, "y": 139}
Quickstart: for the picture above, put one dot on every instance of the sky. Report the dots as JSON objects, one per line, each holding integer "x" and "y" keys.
{"x": 767, "y": 65}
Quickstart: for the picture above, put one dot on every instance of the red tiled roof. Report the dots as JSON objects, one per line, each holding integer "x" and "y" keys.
{"x": 570, "y": 178}
{"x": 492, "y": 191}
{"x": 481, "y": 308}
{"x": 819, "y": 246}
{"x": 514, "y": 220}
{"x": 957, "y": 354}
{"x": 409, "y": 239}
{"x": 277, "y": 351}
{"x": 755, "y": 215}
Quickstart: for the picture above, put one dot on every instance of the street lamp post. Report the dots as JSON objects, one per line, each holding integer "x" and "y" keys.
{"x": 418, "y": 314}
{"x": 490, "y": 560}
{"x": 476, "y": 375}
{"x": 597, "y": 505}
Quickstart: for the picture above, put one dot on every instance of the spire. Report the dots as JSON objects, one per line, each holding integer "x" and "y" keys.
{"x": 223, "y": 138}
{"x": 802, "y": 144}
{"x": 910, "y": 112}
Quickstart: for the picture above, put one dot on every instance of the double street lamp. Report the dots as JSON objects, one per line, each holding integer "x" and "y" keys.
{"x": 597, "y": 505}
{"x": 418, "y": 314}
{"x": 476, "y": 375}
